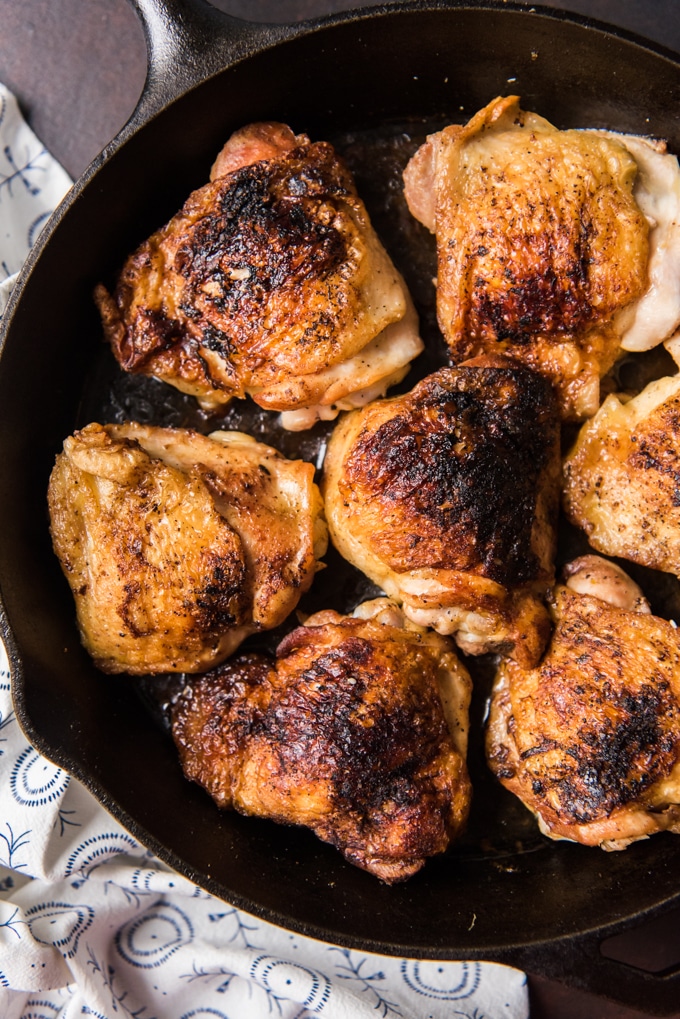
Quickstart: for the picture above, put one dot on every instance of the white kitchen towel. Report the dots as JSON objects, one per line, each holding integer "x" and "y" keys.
{"x": 91, "y": 924}
{"x": 32, "y": 184}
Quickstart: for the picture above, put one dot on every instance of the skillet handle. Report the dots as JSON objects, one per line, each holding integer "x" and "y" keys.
{"x": 582, "y": 964}
{"x": 188, "y": 41}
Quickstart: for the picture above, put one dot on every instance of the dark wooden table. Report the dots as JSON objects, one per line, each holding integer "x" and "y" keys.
{"x": 78, "y": 67}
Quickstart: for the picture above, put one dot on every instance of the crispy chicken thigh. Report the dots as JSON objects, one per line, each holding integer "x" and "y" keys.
{"x": 176, "y": 545}
{"x": 447, "y": 497}
{"x": 358, "y": 730}
{"x": 270, "y": 282}
{"x": 622, "y": 477}
{"x": 590, "y": 739}
{"x": 558, "y": 248}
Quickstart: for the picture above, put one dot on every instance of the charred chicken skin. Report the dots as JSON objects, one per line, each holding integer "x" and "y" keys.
{"x": 589, "y": 740}
{"x": 176, "y": 545}
{"x": 270, "y": 282}
{"x": 557, "y": 248}
{"x": 446, "y": 498}
{"x": 358, "y": 730}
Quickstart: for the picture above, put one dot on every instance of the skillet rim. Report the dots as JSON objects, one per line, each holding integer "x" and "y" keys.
{"x": 131, "y": 128}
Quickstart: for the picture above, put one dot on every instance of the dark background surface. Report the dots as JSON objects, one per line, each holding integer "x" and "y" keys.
{"x": 77, "y": 69}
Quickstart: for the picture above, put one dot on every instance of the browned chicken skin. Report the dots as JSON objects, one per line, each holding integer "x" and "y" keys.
{"x": 270, "y": 282}
{"x": 346, "y": 733}
{"x": 542, "y": 247}
{"x": 622, "y": 477}
{"x": 590, "y": 739}
{"x": 176, "y": 545}
{"x": 447, "y": 496}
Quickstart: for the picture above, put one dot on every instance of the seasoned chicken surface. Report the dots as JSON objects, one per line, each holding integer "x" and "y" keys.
{"x": 446, "y": 498}
{"x": 345, "y": 732}
{"x": 555, "y": 247}
{"x": 176, "y": 545}
{"x": 269, "y": 282}
{"x": 589, "y": 740}
{"x": 622, "y": 477}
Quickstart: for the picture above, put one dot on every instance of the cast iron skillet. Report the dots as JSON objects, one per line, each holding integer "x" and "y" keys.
{"x": 505, "y": 893}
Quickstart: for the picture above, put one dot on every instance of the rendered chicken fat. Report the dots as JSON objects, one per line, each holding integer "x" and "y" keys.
{"x": 598, "y": 578}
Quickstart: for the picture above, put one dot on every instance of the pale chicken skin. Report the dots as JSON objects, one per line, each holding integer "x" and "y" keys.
{"x": 447, "y": 498}
{"x": 176, "y": 545}
{"x": 558, "y": 248}
{"x": 589, "y": 740}
{"x": 622, "y": 477}
{"x": 357, "y": 730}
{"x": 270, "y": 282}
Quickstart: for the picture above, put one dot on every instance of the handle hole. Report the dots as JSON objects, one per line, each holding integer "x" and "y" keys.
{"x": 282, "y": 11}
{"x": 653, "y": 946}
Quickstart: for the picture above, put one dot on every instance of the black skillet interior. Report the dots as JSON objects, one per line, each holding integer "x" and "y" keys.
{"x": 374, "y": 82}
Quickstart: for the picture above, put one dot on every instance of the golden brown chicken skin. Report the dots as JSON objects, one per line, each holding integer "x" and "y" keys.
{"x": 176, "y": 545}
{"x": 446, "y": 498}
{"x": 589, "y": 740}
{"x": 622, "y": 477}
{"x": 270, "y": 282}
{"x": 346, "y": 732}
{"x": 541, "y": 244}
